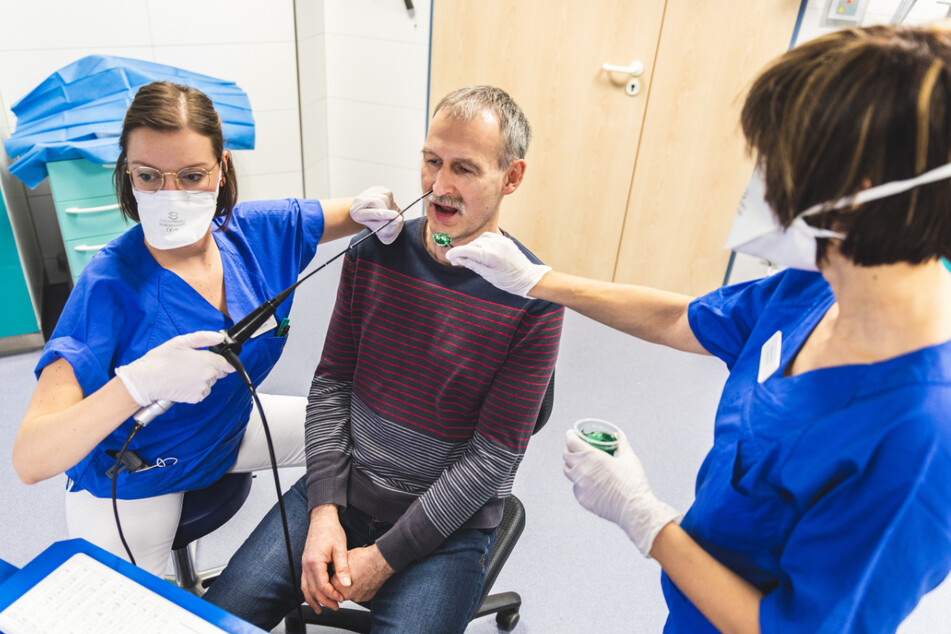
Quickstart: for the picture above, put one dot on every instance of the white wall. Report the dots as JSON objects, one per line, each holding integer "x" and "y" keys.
{"x": 377, "y": 64}
{"x": 312, "y": 82}
{"x": 250, "y": 42}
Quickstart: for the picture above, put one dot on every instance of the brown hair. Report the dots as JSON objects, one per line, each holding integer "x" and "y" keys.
{"x": 467, "y": 103}
{"x": 850, "y": 110}
{"x": 169, "y": 107}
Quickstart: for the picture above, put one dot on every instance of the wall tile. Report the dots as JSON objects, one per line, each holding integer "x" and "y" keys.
{"x": 310, "y": 18}
{"x": 885, "y": 6}
{"x": 348, "y": 177}
{"x": 267, "y": 72}
{"x": 317, "y": 179}
{"x": 178, "y": 22}
{"x": 312, "y": 60}
{"x": 62, "y": 24}
{"x": 376, "y": 71}
{"x": 270, "y": 186}
{"x": 374, "y": 133}
{"x": 314, "y": 130}
{"x": 925, "y": 12}
{"x": 277, "y": 144}
{"x": 379, "y": 20}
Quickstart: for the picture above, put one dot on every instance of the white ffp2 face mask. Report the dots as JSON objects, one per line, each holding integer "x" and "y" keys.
{"x": 756, "y": 231}
{"x": 172, "y": 218}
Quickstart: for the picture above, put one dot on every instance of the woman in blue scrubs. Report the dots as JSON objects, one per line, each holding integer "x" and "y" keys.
{"x": 824, "y": 504}
{"x": 138, "y": 321}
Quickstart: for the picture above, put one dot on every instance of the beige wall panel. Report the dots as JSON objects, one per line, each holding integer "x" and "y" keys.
{"x": 692, "y": 167}
{"x": 548, "y": 54}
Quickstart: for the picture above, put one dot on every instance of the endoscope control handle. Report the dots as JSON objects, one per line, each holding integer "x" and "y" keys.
{"x": 229, "y": 344}
{"x": 148, "y": 413}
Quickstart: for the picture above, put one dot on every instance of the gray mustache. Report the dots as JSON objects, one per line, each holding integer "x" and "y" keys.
{"x": 449, "y": 201}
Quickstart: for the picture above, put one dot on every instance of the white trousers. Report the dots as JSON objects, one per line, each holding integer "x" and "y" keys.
{"x": 149, "y": 524}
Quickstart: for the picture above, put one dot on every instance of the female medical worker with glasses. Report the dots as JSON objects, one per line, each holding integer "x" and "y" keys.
{"x": 138, "y": 321}
{"x": 824, "y": 504}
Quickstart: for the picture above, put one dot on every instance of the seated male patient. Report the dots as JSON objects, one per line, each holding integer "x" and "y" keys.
{"x": 421, "y": 407}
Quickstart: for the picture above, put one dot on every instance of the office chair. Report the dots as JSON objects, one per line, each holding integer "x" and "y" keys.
{"x": 203, "y": 511}
{"x": 505, "y": 605}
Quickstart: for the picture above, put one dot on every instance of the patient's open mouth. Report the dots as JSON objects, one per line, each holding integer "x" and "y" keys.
{"x": 444, "y": 209}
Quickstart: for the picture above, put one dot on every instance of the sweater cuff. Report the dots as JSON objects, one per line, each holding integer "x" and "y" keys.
{"x": 326, "y": 491}
{"x": 409, "y": 540}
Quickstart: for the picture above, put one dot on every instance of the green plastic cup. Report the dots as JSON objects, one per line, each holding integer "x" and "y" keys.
{"x": 599, "y": 433}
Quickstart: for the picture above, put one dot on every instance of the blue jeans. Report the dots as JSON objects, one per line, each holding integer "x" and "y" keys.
{"x": 436, "y": 593}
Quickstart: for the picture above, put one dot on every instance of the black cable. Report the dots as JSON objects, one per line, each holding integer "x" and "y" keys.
{"x": 233, "y": 359}
{"x": 115, "y": 477}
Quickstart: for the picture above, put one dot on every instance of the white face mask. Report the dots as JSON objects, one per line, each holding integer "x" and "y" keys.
{"x": 172, "y": 218}
{"x": 756, "y": 230}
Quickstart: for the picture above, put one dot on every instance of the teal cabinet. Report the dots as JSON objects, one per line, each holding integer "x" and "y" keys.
{"x": 17, "y": 316}
{"x": 86, "y": 208}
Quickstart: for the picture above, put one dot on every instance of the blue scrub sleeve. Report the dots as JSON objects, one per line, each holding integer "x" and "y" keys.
{"x": 723, "y": 320}
{"x": 93, "y": 341}
{"x": 89, "y": 372}
{"x": 313, "y": 225}
{"x": 872, "y": 543}
{"x": 282, "y": 231}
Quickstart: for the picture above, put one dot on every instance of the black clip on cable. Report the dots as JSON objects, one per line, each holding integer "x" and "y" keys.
{"x": 230, "y": 348}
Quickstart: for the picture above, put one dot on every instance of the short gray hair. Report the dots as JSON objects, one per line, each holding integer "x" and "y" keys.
{"x": 467, "y": 103}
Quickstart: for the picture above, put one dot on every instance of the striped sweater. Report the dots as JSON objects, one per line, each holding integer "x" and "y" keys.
{"x": 426, "y": 394}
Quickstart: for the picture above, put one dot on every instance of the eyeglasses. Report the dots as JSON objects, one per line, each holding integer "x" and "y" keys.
{"x": 149, "y": 179}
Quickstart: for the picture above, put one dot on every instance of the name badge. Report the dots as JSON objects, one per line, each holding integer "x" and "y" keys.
{"x": 769, "y": 356}
{"x": 267, "y": 326}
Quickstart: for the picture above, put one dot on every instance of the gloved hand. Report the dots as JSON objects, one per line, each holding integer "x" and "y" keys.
{"x": 615, "y": 488}
{"x": 374, "y": 208}
{"x": 500, "y": 262}
{"x": 175, "y": 371}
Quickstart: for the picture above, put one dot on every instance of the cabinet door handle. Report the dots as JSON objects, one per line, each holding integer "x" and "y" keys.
{"x": 91, "y": 210}
{"x": 87, "y": 247}
{"x": 634, "y": 70}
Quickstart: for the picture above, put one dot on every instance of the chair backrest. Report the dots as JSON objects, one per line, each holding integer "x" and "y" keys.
{"x": 548, "y": 401}
{"x": 510, "y": 529}
{"x": 513, "y": 513}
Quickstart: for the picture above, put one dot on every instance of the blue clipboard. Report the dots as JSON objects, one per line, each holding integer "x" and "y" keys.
{"x": 20, "y": 581}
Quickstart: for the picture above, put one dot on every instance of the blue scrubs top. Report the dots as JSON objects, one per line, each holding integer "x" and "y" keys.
{"x": 829, "y": 491}
{"x": 124, "y": 304}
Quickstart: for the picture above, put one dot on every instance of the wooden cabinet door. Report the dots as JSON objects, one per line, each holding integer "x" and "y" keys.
{"x": 631, "y": 188}
{"x": 548, "y": 54}
{"x": 692, "y": 166}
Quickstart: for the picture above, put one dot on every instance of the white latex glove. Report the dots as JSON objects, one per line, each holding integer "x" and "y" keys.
{"x": 175, "y": 371}
{"x": 615, "y": 488}
{"x": 374, "y": 208}
{"x": 500, "y": 262}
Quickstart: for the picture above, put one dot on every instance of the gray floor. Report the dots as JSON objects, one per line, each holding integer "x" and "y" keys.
{"x": 575, "y": 572}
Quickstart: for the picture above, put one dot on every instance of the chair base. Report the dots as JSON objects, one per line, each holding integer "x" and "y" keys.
{"x": 186, "y": 577}
{"x": 349, "y": 619}
{"x": 504, "y": 605}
